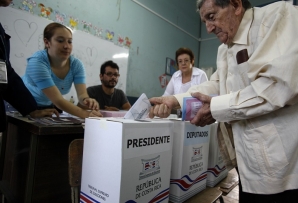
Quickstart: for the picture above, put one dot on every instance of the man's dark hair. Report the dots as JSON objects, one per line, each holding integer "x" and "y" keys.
{"x": 224, "y": 3}
{"x": 106, "y": 64}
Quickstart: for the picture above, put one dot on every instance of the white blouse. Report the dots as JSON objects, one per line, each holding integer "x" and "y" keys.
{"x": 176, "y": 86}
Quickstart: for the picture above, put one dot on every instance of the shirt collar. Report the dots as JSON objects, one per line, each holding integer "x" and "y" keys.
{"x": 195, "y": 71}
{"x": 179, "y": 74}
{"x": 241, "y": 36}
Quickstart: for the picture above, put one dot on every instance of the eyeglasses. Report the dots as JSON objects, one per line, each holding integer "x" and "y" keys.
{"x": 112, "y": 74}
{"x": 183, "y": 61}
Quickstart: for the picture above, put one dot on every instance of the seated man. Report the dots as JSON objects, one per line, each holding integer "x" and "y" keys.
{"x": 108, "y": 97}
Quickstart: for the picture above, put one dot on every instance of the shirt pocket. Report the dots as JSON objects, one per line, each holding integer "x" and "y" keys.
{"x": 264, "y": 150}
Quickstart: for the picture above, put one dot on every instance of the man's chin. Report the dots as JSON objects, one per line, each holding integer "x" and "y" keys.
{"x": 223, "y": 38}
{"x": 111, "y": 86}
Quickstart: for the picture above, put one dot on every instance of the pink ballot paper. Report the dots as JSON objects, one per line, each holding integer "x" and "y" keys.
{"x": 191, "y": 106}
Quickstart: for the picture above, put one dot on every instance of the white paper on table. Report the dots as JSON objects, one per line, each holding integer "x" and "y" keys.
{"x": 139, "y": 109}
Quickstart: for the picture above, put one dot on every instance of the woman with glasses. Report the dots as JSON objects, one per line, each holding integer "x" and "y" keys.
{"x": 51, "y": 72}
{"x": 187, "y": 75}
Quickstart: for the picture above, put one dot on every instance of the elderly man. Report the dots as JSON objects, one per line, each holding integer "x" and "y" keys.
{"x": 257, "y": 87}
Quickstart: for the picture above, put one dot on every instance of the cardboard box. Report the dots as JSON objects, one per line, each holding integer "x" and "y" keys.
{"x": 126, "y": 161}
{"x": 189, "y": 163}
{"x": 216, "y": 166}
{"x": 113, "y": 113}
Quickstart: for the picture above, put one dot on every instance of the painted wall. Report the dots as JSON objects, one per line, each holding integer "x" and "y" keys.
{"x": 152, "y": 37}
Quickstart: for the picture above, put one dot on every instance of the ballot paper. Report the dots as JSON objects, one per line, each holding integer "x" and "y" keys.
{"x": 191, "y": 106}
{"x": 140, "y": 109}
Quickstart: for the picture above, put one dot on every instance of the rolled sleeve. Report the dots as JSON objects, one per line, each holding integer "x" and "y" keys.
{"x": 220, "y": 108}
{"x": 180, "y": 97}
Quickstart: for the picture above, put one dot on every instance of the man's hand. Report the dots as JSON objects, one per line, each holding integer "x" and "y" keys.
{"x": 203, "y": 116}
{"x": 91, "y": 103}
{"x": 163, "y": 106}
{"x": 44, "y": 113}
{"x": 111, "y": 108}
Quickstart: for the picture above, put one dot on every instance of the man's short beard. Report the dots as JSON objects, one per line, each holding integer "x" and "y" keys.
{"x": 106, "y": 84}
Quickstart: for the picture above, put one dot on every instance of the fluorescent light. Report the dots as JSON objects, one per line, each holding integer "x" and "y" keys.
{"x": 123, "y": 55}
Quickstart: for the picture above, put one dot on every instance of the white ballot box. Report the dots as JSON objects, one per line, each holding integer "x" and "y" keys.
{"x": 126, "y": 161}
{"x": 106, "y": 113}
{"x": 189, "y": 163}
{"x": 216, "y": 166}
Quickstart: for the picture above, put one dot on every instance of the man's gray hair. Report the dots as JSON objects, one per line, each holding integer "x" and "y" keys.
{"x": 223, "y": 3}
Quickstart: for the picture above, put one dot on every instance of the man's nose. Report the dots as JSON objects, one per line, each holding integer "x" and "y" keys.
{"x": 209, "y": 26}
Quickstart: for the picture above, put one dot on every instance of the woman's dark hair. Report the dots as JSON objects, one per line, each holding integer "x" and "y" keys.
{"x": 184, "y": 50}
{"x": 50, "y": 29}
{"x": 224, "y": 3}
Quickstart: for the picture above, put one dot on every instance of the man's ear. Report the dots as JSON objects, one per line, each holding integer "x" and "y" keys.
{"x": 100, "y": 76}
{"x": 237, "y": 4}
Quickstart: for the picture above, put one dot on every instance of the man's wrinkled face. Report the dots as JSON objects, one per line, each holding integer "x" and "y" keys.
{"x": 223, "y": 22}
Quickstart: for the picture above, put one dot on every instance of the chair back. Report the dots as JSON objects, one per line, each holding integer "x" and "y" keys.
{"x": 75, "y": 157}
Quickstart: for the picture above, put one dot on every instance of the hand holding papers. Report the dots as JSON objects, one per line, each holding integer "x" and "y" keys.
{"x": 191, "y": 106}
{"x": 140, "y": 109}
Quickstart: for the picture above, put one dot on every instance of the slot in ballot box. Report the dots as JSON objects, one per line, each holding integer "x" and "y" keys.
{"x": 189, "y": 162}
{"x": 106, "y": 113}
{"x": 126, "y": 161}
{"x": 216, "y": 166}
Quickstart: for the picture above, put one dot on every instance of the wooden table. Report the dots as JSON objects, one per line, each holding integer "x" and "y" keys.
{"x": 34, "y": 166}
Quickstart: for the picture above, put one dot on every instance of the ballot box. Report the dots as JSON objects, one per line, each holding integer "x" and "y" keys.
{"x": 106, "y": 113}
{"x": 216, "y": 166}
{"x": 126, "y": 161}
{"x": 190, "y": 160}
